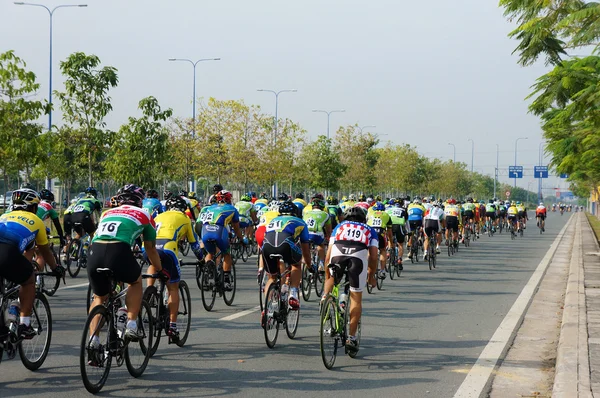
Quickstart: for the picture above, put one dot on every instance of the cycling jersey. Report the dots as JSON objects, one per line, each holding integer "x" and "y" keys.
{"x": 21, "y": 229}
{"x": 354, "y": 234}
{"x": 334, "y": 212}
{"x": 289, "y": 226}
{"x": 89, "y": 204}
{"x": 245, "y": 209}
{"x": 46, "y": 210}
{"x": 521, "y": 209}
{"x": 153, "y": 206}
{"x": 347, "y": 204}
{"x": 415, "y": 212}
{"x": 397, "y": 214}
{"x": 173, "y": 226}
{"x": 300, "y": 204}
{"x": 267, "y": 216}
{"x": 451, "y": 211}
{"x": 469, "y": 207}
{"x": 125, "y": 224}
{"x": 540, "y": 210}
{"x": 69, "y": 209}
{"x": 512, "y": 211}
{"x": 378, "y": 220}
{"x": 435, "y": 213}
{"x": 490, "y": 208}
{"x": 219, "y": 214}
{"x": 316, "y": 220}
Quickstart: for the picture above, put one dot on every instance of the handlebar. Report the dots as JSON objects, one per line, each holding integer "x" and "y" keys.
{"x": 196, "y": 262}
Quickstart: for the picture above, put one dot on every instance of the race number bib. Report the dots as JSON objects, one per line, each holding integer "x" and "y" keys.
{"x": 311, "y": 223}
{"x": 109, "y": 228}
{"x": 275, "y": 225}
{"x": 353, "y": 233}
{"x": 78, "y": 208}
{"x": 207, "y": 217}
{"x": 376, "y": 222}
{"x": 397, "y": 212}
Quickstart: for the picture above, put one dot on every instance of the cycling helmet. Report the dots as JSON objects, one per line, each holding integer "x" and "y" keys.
{"x": 491, "y": 201}
{"x": 318, "y": 196}
{"x": 379, "y": 206}
{"x": 25, "y": 199}
{"x": 417, "y": 201}
{"x": 378, "y": 198}
{"x": 437, "y": 203}
{"x": 176, "y": 203}
{"x": 432, "y": 198}
{"x": 274, "y": 205}
{"x": 130, "y": 194}
{"x": 217, "y": 188}
{"x": 513, "y": 203}
{"x": 183, "y": 193}
{"x": 470, "y": 200}
{"x": 355, "y": 214}
{"x": 152, "y": 193}
{"x": 451, "y": 201}
{"x": 317, "y": 203}
{"x": 245, "y": 198}
{"x": 288, "y": 208}
{"x": 45, "y": 194}
{"x": 90, "y": 191}
{"x": 352, "y": 197}
{"x": 518, "y": 202}
{"x": 425, "y": 200}
{"x": 299, "y": 195}
{"x": 392, "y": 202}
{"x": 330, "y": 198}
{"x": 344, "y": 198}
{"x": 27, "y": 185}
{"x": 223, "y": 196}
{"x": 362, "y": 197}
{"x": 507, "y": 202}
{"x": 192, "y": 195}
{"x": 541, "y": 203}
{"x": 407, "y": 198}
{"x": 370, "y": 200}
{"x": 333, "y": 201}
{"x": 283, "y": 197}
{"x": 167, "y": 194}
{"x": 482, "y": 202}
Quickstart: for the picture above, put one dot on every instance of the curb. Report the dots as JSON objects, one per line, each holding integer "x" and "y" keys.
{"x": 572, "y": 377}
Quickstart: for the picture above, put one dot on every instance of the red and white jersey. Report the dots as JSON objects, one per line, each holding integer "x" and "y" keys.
{"x": 540, "y": 210}
{"x": 354, "y": 232}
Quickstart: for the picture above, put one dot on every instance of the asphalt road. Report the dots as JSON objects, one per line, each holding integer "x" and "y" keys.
{"x": 421, "y": 335}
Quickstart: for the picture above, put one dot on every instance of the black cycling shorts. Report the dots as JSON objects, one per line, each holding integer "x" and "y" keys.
{"x": 13, "y": 264}
{"x": 290, "y": 252}
{"x": 85, "y": 219}
{"x": 432, "y": 227}
{"x": 357, "y": 271}
{"x": 541, "y": 215}
{"x": 452, "y": 223}
{"x": 468, "y": 214}
{"x": 491, "y": 215}
{"x": 116, "y": 256}
{"x": 68, "y": 223}
{"x": 415, "y": 224}
{"x": 398, "y": 232}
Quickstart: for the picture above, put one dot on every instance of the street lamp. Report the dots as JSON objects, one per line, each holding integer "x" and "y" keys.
{"x": 275, "y": 130}
{"x": 472, "y": 152}
{"x": 364, "y": 127}
{"x": 454, "y": 157}
{"x": 51, "y": 14}
{"x": 328, "y": 115}
{"x": 516, "y": 141}
{"x": 541, "y": 159}
{"x": 496, "y": 171}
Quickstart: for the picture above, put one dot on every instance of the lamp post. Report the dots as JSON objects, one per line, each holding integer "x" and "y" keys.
{"x": 454, "y": 156}
{"x": 275, "y": 130}
{"x": 364, "y": 127}
{"x": 51, "y": 14}
{"x": 496, "y": 171}
{"x": 516, "y": 142}
{"x": 193, "y": 184}
{"x": 472, "y": 152}
{"x": 328, "y": 116}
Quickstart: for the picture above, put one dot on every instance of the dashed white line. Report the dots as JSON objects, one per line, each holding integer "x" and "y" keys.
{"x": 73, "y": 286}
{"x": 240, "y": 314}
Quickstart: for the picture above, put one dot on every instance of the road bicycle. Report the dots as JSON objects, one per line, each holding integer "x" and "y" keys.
{"x": 277, "y": 314}
{"x": 183, "y": 246}
{"x": 392, "y": 263}
{"x": 212, "y": 282}
{"x": 76, "y": 257}
{"x": 334, "y": 322}
{"x": 431, "y": 252}
{"x": 312, "y": 276}
{"x": 107, "y": 321}
{"x": 48, "y": 287}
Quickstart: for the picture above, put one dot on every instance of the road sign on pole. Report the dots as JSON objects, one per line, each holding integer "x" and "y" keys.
{"x": 515, "y": 171}
{"x": 540, "y": 171}
{"x": 564, "y": 175}
{"x": 507, "y": 194}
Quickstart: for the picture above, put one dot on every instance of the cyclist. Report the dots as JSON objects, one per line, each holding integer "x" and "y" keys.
{"x": 415, "y": 211}
{"x": 540, "y": 214}
{"x": 451, "y": 215}
{"x": 195, "y": 205}
{"x": 171, "y": 227}
{"x": 190, "y": 211}
{"x": 513, "y": 216}
{"x": 335, "y": 213}
{"x": 468, "y": 215}
{"x": 86, "y": 212}
{"x": 152, "y": 203}
{"x": 20, "y": 231}
{"x": 117, "y": 231}
{"x": 346, "y": 204}
{"x": 490, "y": 213}
{"x": 300, "y": 202}
{"x": 353, "y": 243}
{"x": 381, "y": 222}
{"x": 281, "y": 237}
{"x": 319, "y": 228}
{"x": 433, "y": 223}
{"x": 502, "y": 211}
{"x": 522, "y": 215}
{"x": 247, "y": 215}
{"x": 399, "y": 216}
{"x": 46, "y": 210}
{"x": 215, "y": 233}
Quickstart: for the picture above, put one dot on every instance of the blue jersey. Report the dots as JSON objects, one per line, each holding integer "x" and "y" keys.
{"x": 415, "y": 212}
{"x": 299, "y": 205}
{"x": 219, "y": 214}
{"x": 153, "y": 206}
{"x": 259, "y": 206}
{"x": 293, "y": 226}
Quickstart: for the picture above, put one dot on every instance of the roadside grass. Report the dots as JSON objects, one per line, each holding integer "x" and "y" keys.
{"x": 595, "y": 223}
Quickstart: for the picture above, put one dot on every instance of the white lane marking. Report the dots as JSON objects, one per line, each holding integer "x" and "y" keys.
{"x": 240, "y": 314}
{"x": 480, "y": 374}
{"x": 73, "y": 286}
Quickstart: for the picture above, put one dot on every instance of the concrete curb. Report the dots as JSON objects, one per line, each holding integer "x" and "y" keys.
{"x": 572, "y": 377}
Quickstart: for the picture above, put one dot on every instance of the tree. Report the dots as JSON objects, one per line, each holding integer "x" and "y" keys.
{"x": 139, "y": 150}
{"x": 86, "y": 103}
{"x": 322, "y": 165}
{"x": 358, "y": 154}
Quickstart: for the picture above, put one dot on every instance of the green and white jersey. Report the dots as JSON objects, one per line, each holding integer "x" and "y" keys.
{"x": 125, "y": 224}
{"x": 46, "y": 210}
{"x": 316, "y": 220}
{"x": 397, "y": 214}
{"x": 245, "y": 209}
{"x": 468, "y": 206}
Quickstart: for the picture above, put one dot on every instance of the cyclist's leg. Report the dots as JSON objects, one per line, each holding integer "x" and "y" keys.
{"x": 357, "y": 273}
{"x": 17, "y": 268}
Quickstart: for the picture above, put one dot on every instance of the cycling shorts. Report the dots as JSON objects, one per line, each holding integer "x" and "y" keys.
{"x": 357, "y": 263}
{"x": 68, "y": 223}
{"x": 541, "y": 215}
{"x": 116, "y": 256}
{"x": 245, "y": 222}
{"x": 452, "y": 223}
{"x": 168, "y": 260}
{"x": 491, "y": 215}
{"x": 215, "y": 236}
{"x": 398, "y": 232}
{"x": 85, "y": 219}
{"x": 432, "y": 227}
{"x": 13, "y": 264}
{"x": 468, "y": 214}
{"x": 289, "y": 251}
{"x": 415, "y": 224}
{"x": 522, "y": 215}
{"x": 316, "y": 238}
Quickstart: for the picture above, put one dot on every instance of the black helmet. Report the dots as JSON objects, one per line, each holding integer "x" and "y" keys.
{"x": 91, "y": 191}
{"x": 45, "y": 194}
{"x": 355, "y": 214}
{"x": 288, "y": 208}
{"x": 25, "y": 199}
{"x": 183, "y": 192}
{"x": 283, "y": 197}
{"x": 317, "y": 203}
{"x": 27, "y": 185}
{"x": 217, "y": 188}
{"x": 176, "y": 203}
{"x": 167, "y": 194}
{"x": 131, "y": 195}
{"x": 299, "y": 195}
{"x": 362, "y": 197}
{"x": 152, "y": 193}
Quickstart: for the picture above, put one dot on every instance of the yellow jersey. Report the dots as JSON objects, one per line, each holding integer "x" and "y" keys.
{"x": 22, "y": 229}
{"x": 267, "y": 217}
{"x": 171, "y": 227}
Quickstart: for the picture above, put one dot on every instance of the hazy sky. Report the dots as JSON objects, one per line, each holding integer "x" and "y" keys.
{"x": 424, "y": 72}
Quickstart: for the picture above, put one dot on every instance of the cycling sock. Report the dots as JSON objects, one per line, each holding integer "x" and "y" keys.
{"x": 26, "y": 320}
{"x": 173, "y": 325}
{"x": 132, "y": 324}
{"x": 95, "y": 340}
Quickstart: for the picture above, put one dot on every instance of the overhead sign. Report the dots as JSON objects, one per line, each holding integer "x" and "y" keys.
{"x": 564, "y": 175}
{"x": 515, "y": 171}
{"x": 540, "y": 171}
{"x": 507, "y": 194}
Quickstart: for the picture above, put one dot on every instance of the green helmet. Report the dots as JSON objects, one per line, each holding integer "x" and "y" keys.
{"x": 245, "y": 198}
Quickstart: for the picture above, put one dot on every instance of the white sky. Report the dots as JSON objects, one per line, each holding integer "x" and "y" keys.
{"x": 424, "y": 72}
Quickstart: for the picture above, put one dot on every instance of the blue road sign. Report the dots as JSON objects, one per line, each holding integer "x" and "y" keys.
{"x": 540, "y": 171}
{"x": 515, "y": 171}
{"x": 564, "y": 175}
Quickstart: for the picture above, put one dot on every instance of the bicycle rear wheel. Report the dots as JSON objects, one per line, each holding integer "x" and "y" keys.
{"x": 263, "y": 277}
{"x": 33, "y": 352}
{"x": 271, "y": 309}
{"x": 379, "y": 281}
{"x": 430, "y": 253}
{"x": 392, "y": 264}
{"x": 245, "y": 253}
{"x": 329, "y": 337}
{"x": 291, "y": 322}
{"x": 185, "y": 247}
{"x": 153, "y": 299}
{"x": 228, "y": 296}
{"x": 199, "y": 275}
{"x": 137, "y": 354}
{"x": 184, "y": 313}
{"x": 319, "y": 278}
{"x": 73, "y": 264}
{"x": 94, "y": 362}
{"x": 208, "y": 291}
{"x": 306, "y": 283}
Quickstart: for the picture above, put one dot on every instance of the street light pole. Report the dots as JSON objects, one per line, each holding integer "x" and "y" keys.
{"x": 51, "y": 14}
{"x": 193, "y": 184}
{"x": 454, "y": 156}
{"x": 516, "y": 141}
{"x": 276, "y": 129}
{"x": 496, "y": 172}
{"x": 364, "y": 127}
{"x": 472, "y": 152}
{"x": 328, "y": 115}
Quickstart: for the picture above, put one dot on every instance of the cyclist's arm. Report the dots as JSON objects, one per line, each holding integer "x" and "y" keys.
{"x": 150, "y": 248}
{"x": 47, "y": 254}
{"x": 236, "y": 228}
{"x": 59, "y": 230}
{"x": 306, "y": 253}
{"x": 327, "y": 229}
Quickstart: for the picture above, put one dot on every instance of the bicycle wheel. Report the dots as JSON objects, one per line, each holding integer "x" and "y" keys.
{"x": 352, "y": 354}
{"x": 329, "y": 337}
{"x": 434, "y": 257}
{"x": 50, "y": 283}
{"x": 208, "y": 290}
{"x": 245, "y": 253}
{"x": 137, "y": 354}
{"x": 306, "y": 283}
{"x": 263, "y": 277}
{"x": 319, "y": 278}
{"x": 430, "y": 253}
{"x": 185, "y": 247}
{"x": 89, "y": 299}
{"x": 291, "y": 322}
{"x": 95, "y": 375}
{"x": 199, "y": 268}
{"x": 153, "y": 299}
{"x": 271, "y": 325}
{"x": 73, "y": 264}
{"x": 379, "y": 281}
{"x": 235, "y": 253}
{"x": 369, "y": 287}
{"x": 184, "y": 313}
{"x": 228, "y": 296}
{"x": 392, "y": 264}
{"x": 33, "y": 352}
